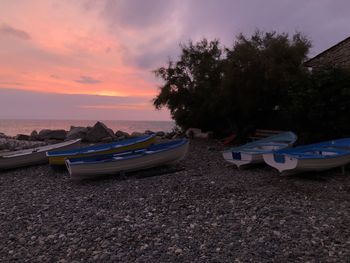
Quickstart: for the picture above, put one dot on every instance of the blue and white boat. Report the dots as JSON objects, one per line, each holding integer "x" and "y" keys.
{"x": 252, "y": 153}
{"x": 155, "y": 155}
{"x": 313, "y": 157}
{"x": 58, "y": 158}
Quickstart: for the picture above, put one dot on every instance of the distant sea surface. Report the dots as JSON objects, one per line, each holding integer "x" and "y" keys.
{"x": 14, "y": 127}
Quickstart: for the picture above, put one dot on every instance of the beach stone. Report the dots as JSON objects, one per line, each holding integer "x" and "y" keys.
{"x": 122, "y": 134}
{"x": 136, "y": 134}
{"x": 160, "y": 133}
{"x": 170, "y": 135}
{"x": 98, "y": 132}
{"x": 47, "y": 134}
{"x": 22, "y": 137}
{"x": 148, "y": 132}
{"x": 107, "y": 139}
{"x": 34, "y": 136}
{"x": 76, "y": 133}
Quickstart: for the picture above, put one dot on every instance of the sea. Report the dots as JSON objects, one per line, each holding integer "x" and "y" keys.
{"x": 13, "y": 127}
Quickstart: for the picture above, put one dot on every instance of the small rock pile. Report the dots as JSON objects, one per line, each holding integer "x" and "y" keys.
{"x": 99, "y": 133}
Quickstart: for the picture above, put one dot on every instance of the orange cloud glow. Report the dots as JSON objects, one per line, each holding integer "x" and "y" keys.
{"x": 67, "y": 50}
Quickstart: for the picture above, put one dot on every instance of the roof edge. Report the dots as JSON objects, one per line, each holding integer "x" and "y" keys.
{"x": 325, "y": 51}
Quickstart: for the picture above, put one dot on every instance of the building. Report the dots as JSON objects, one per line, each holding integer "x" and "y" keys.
{"x": 335, "y": 56}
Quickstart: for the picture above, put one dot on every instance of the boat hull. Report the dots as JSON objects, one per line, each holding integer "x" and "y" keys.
{"x": 294, "y": 165}
{"x": 252, "y": 153}
{"x": 57, "y": 160}
{"x": 91, "y": 170}
{"x": 245, "y": 158}
{"x": 34, "y": 156}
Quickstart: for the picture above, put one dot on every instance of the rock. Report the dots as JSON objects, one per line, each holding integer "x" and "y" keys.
{"x": 178, "y": 251}
{"x": 107, "y": 139}
{"x": 76, "y": 133}
{"x": 160, "y": 133}
{"x": 22, "y": 137}
{"x": 52, "y": 134}
{"x": 120, "y": 134}
{"x": 98, "y": 132}
{"x": 148, "y": 132}
{"x": 34, "y": 136}
{"x": 170, "y": 135}
{"x": 136, "y": 134}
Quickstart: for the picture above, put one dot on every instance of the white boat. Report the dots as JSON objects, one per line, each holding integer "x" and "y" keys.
{"x": 153, "y": 156}
{"x": 314, "y": 157}
{"x": 15, "y": 159}
{"x": 252, "y": 153}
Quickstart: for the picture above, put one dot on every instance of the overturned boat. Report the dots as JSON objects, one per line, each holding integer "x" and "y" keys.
{"x": 58, "y": 158}
{"x": 252, "y": 153}
{"x": 155, "y": 155}
{"x": 313, "y": 157}
{"x": 27, "y": 157}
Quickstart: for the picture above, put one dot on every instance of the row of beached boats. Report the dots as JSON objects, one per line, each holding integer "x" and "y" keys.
{"x": 277, "y": 151}
{"x": 88, "y": 162}
{"x": 143, "y": 153}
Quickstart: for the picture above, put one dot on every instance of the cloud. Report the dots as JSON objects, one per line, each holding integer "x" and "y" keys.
{"x": 87, "y": 80}
{"x": 7, "y": 30}
{"x": 138, "y": 14}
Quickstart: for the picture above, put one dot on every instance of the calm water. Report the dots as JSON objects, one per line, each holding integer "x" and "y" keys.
{"x": 14, "y": 127}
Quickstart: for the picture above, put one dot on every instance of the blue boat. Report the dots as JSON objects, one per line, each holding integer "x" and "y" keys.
{"x": 152, "y": 156}
{"x": 313, "y": 157}
{"x": 58, "y": 158}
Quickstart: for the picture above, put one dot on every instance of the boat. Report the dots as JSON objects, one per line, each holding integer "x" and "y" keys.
{"x": 58, "y": 158}
{"x": 252, "y": 153}
{"x": 27, "y": 157}
{"x": 313, "y": 157}
{"x": 155, "y": 155}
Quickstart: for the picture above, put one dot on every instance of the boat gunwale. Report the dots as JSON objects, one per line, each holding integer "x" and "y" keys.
{"x": 140, "y": 153}
{"x": 40, "y": 149}
{"x": 113, "y": 145}
{"x": 266, "y": 141}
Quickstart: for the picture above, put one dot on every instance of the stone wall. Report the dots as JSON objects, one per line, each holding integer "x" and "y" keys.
{"x": 338, "y": 55}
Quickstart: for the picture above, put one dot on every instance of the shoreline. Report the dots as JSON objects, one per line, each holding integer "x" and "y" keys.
{"x": 12, "y": 127}
{"x": 204, "y": 210}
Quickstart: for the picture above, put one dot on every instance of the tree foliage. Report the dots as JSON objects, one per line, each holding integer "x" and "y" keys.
{"x": 257, "y": 75}
{"x": 259, "y": 82}
{"x": 191, "y": 83}
{"x": 319, "y": 105}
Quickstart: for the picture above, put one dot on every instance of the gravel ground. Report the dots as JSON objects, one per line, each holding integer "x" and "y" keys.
{"x": 206, "y": 212}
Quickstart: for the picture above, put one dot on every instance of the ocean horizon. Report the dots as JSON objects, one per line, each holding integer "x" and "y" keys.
{"x": 12, "y": 127}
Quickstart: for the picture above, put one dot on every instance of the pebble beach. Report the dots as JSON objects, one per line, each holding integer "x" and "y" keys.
{"x": 202, "y": 210}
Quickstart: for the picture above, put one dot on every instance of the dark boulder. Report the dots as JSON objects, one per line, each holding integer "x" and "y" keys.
{"x": 160, "y": 133}
{"x": 52, "y": 134}
{"x": 22, "y": 137}
{"x": 76, "y": 133}
{"x": 34, "y": 136}
{"x": 99, "y": 132}
{"x": 122, "y": 135}
{"x": 136, "y": 134}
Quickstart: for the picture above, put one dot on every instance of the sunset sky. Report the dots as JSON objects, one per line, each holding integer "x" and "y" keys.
{"x": 93, "y": 59}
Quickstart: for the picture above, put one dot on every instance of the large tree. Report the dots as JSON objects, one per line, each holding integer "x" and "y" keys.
{"x": 216, "y": 89}
{"x": 191, "y": 85}
{"x": 258, "y": 73}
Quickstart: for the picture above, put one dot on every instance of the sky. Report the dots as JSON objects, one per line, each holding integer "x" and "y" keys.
{"x": 93, "y": 59}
